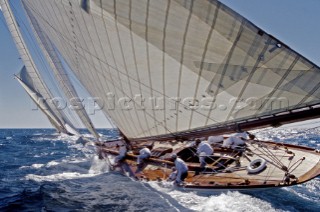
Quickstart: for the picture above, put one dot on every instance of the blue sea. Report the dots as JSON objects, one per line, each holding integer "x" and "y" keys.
{"x": 41, "y": 170}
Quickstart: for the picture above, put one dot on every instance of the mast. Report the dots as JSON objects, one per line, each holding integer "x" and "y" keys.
{"x": 60, "y": 72}
{"x": 39, "y": 85}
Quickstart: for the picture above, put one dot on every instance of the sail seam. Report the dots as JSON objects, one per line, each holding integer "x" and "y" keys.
{"x": 204, "y": 54}
{"x": 184, "y": 39}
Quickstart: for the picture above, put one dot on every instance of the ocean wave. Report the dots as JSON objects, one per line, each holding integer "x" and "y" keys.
{"x": 217, "y": 201}
{"x": 57, "y": 177}
{"x": 70, "y": 168}
{"x": 33, "y": 166}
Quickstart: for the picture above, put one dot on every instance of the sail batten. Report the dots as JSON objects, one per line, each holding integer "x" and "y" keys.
{"x": 176, "y": 67}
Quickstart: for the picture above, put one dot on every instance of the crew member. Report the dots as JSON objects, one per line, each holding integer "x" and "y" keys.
{"x": 122, "y": 154}
{"x": 144, "y": 154}
{"x": 204, "y": 150}
{"x": 182, "y": 169}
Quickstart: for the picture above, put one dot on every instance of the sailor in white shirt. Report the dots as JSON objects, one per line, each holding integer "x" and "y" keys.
{"x": 238, "y": 140}
{"x": 182, "y": 169}
{"x": 214, "y": 140}
{"x": 203, "y": 150}
{"x": 144, "y": 153}
{"x": 122, "y": 154}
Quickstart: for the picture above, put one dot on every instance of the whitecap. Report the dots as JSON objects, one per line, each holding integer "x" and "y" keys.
{"x": 57, "y": 177}
{"x": 37, "y": 166}
{"x": 52, "y": 163}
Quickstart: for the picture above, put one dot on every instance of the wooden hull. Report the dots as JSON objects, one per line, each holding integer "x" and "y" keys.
{"x": 286, "y": 165}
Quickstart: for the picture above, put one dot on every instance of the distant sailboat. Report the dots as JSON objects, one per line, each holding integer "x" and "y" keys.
{"x": 31, "y": 80}
{"x": 26, "y": 82}
{"x": 172, "y": 71}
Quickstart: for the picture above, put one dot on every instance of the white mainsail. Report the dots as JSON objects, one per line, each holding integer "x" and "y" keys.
{"x": 56, "y": 117}
{"x": 60, "y": 73}
{"x": 173, "y": 67}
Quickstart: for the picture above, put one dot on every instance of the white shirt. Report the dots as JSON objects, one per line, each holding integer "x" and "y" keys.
{"x": 181, "y": 166}
{"x": 145, "y": 151}
{"x": 233, "y": 142}
{"x": 215, "y": 139}
{"x": 122, "y": 150}
{"x": 205, "y": 148}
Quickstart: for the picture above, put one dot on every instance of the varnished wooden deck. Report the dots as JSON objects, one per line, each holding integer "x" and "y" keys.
{"x": 301, "y": 163}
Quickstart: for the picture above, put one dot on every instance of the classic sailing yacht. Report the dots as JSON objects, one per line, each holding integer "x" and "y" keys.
{"x": 172, "y": 71}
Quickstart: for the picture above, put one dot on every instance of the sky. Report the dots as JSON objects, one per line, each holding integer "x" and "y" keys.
{"x": 294, "y": 22}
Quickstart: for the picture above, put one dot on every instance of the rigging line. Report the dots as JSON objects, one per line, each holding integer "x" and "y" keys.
{"x": 297, "y": 165}
{"x": 184, "y": 40}
{"x": 135, "y": 58}
{"x": 58, "y": 33}
{"x": 275, "y": 164}
{"x": 272, "y": 156}
{"x": 124, "y": 60}
{"x": 268, "y": 152}
{"x": 204, "y": 53}
{"x": 269, "y": 173}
